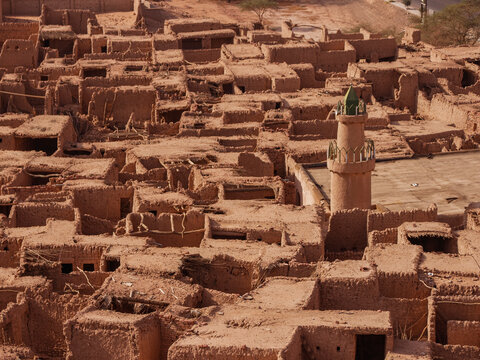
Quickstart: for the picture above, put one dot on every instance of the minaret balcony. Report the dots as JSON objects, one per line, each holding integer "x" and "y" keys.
{"x": 351, "y": 160}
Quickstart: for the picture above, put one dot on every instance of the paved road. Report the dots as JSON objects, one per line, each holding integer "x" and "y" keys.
{"x": 435, "y": 5}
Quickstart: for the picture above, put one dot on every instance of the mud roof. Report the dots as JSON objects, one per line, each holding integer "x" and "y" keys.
{"x": 43, "y": 126}
{"x": 57, "y": 32}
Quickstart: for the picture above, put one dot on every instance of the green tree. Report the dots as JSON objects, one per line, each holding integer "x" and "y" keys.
{"x": 259, "y": 7}
{"x": 457, "y": 24}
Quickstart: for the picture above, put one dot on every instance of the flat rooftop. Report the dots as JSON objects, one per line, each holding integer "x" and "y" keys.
{"x": 451, "y": 181}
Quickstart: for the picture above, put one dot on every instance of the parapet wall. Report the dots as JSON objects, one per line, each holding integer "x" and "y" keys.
{"x": 392, "y": 219}
{"x": 19, "y": 31}
{"x": 34, "y": 7}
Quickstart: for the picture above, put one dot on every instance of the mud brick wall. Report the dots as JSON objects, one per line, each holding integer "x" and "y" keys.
{"x": 375, "y": 48}
{"x": 387, "y": 236}
{"x": 291, "y": 54}
{"x": 20, "y": 31}
{"x": 392, "y": 219}
{"x": 350, "y": 237}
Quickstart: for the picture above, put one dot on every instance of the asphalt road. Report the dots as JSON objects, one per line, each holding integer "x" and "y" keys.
{"x": 434, "y": 5}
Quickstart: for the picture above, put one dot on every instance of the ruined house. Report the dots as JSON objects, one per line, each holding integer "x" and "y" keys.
{"x": 208, "y": 191}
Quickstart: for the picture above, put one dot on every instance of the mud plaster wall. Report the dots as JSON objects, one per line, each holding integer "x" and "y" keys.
{"x": 373, "y": 49}
{"x": 335, "y": 60}
{"x": 174, "y": 226}
{"x": 408, "y": 316}
{"x": 450, "y": 352}
{"x": 387, "y": 236}
{"x": 443, "y": 109}
{"x": 325, "y": 129}
{"x": 90, "y": 85}
{"x": 10, "y": 252}
{"x": 307, "y": 191}
{"x": 34, "y": 7}
{"x": 349, "y": 294}
{"x": 17, "y": 30}
{"x": 78, "y": 19}
{"x": 391, "y": 219}
{"x": 383, "y": 81}
{"x": 328, "y": 343}
{"x": 463, "y": 332}
{"x": 103, "y": 203}
{"x": 451, "y": 309}
{"x": 36, "y": 214}
{"x": 139, "y": 339}
{"x": 123, "y": 107}
{"x": 47, "y": 313}
{"x": 199, "y": 56}
{"x": 17, "y": 53}
{"x": 306, "y": 72}
{"x": 290, "y": 54}
{"x": 406, "y": 95}
{"x": 12, "y": 319}
{"x": 351, "y": 237}
{"x": 77, "y": 256}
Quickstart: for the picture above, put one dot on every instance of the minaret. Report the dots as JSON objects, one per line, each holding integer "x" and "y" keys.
{"x": 351, "y": 159}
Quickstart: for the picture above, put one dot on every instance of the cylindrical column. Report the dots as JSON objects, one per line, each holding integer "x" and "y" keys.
{"x": 351, "y": 131}
{"x": 349, "y": 191}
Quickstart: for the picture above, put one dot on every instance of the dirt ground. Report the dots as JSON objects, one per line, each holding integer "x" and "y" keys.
{"x": 376, "y": 15}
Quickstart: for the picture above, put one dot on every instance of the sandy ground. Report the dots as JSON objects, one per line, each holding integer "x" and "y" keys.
{"x": 376, "y": 15}
{"x": 117, "y": 19}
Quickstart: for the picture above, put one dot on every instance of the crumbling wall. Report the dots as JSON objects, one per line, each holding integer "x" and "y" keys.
{"x": 121, "y": 106}
{"x": 13, "y": 318}
{"x": 383, "y": 80}
{"x": 77, "y": 19}
{"x": 255, "y": 164}
{"x": 177, "y": 230}
{"x": 406, "y": 95}
{"x": 446, "y": 109}
{"x": 47, "y": 312}
{"x": 92, "y": 84}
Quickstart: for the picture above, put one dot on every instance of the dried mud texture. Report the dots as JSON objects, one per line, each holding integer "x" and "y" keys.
{"x": 178, "y": 182}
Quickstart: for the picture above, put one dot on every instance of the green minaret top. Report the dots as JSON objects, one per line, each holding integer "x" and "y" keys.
{"x": 351, "y": 102}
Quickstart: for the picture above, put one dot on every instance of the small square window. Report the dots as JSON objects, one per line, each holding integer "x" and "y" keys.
{"x": 67, "y": 268}
{"x": 88, "y": 267}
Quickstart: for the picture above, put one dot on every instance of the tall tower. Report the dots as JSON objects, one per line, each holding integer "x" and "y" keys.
{"x": 351, "y": 158}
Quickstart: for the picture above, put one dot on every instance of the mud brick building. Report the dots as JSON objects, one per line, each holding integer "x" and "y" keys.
{"x": 169, "y": 194}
